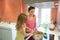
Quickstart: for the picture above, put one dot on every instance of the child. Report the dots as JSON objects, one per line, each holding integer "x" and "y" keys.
{"x": 21, "y": 26}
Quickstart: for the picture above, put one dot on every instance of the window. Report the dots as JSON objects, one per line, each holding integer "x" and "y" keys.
{"x": 45, "y": 15}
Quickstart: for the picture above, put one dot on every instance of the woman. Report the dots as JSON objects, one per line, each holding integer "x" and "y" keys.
{"x": 21, "y": 26}
{"x": 31, "y": 21}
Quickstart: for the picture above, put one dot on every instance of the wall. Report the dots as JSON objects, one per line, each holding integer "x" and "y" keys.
{"x": 58, "y": 14}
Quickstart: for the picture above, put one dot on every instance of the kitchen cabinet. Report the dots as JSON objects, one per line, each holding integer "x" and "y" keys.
{"x": 7, "y": 31}
{"x": 5, "y": 34}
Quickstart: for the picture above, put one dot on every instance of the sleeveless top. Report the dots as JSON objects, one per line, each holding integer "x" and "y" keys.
{"x": 31, "y": 23}
{"x": 19, "y": 36}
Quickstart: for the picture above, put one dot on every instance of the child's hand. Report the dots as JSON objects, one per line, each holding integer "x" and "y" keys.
{"x": 27, "y": 30}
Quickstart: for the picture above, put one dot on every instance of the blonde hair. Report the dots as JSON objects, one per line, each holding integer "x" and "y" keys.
{"x": 22, "y": 18}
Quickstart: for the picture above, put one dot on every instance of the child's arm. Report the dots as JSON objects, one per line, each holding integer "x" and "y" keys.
{"x": 26, "y": 34}
{"x": 24, "y": 31}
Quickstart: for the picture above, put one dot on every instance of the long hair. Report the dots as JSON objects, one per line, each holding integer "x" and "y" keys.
{"x": 22, "y": 18}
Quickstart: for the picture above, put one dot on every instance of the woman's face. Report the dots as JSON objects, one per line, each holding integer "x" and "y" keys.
{"x": 32, "y": 11}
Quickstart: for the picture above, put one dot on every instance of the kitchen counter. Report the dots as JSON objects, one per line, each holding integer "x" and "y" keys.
{"x": 55, "y": 32}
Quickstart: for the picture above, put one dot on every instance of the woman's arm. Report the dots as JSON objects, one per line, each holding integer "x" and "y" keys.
{"x": 35, "y": 24}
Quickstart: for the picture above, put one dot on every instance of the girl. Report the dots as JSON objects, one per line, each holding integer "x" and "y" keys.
{"x": 20, "y": 26}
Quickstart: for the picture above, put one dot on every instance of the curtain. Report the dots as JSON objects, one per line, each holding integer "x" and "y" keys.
{"x": 10, "y": 9}
{"x": 54, "y": 11}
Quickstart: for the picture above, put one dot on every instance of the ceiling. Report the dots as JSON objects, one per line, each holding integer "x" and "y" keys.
{"x": 43, "y": 5}
{"x": 40, "y": 3}
{"x": 37, "y": 1}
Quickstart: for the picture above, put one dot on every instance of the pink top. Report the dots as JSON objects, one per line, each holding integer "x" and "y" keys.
{"x": 31, "y": 23}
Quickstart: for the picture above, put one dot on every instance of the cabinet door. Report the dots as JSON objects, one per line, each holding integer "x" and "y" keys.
{"x": 6, "y": 34}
